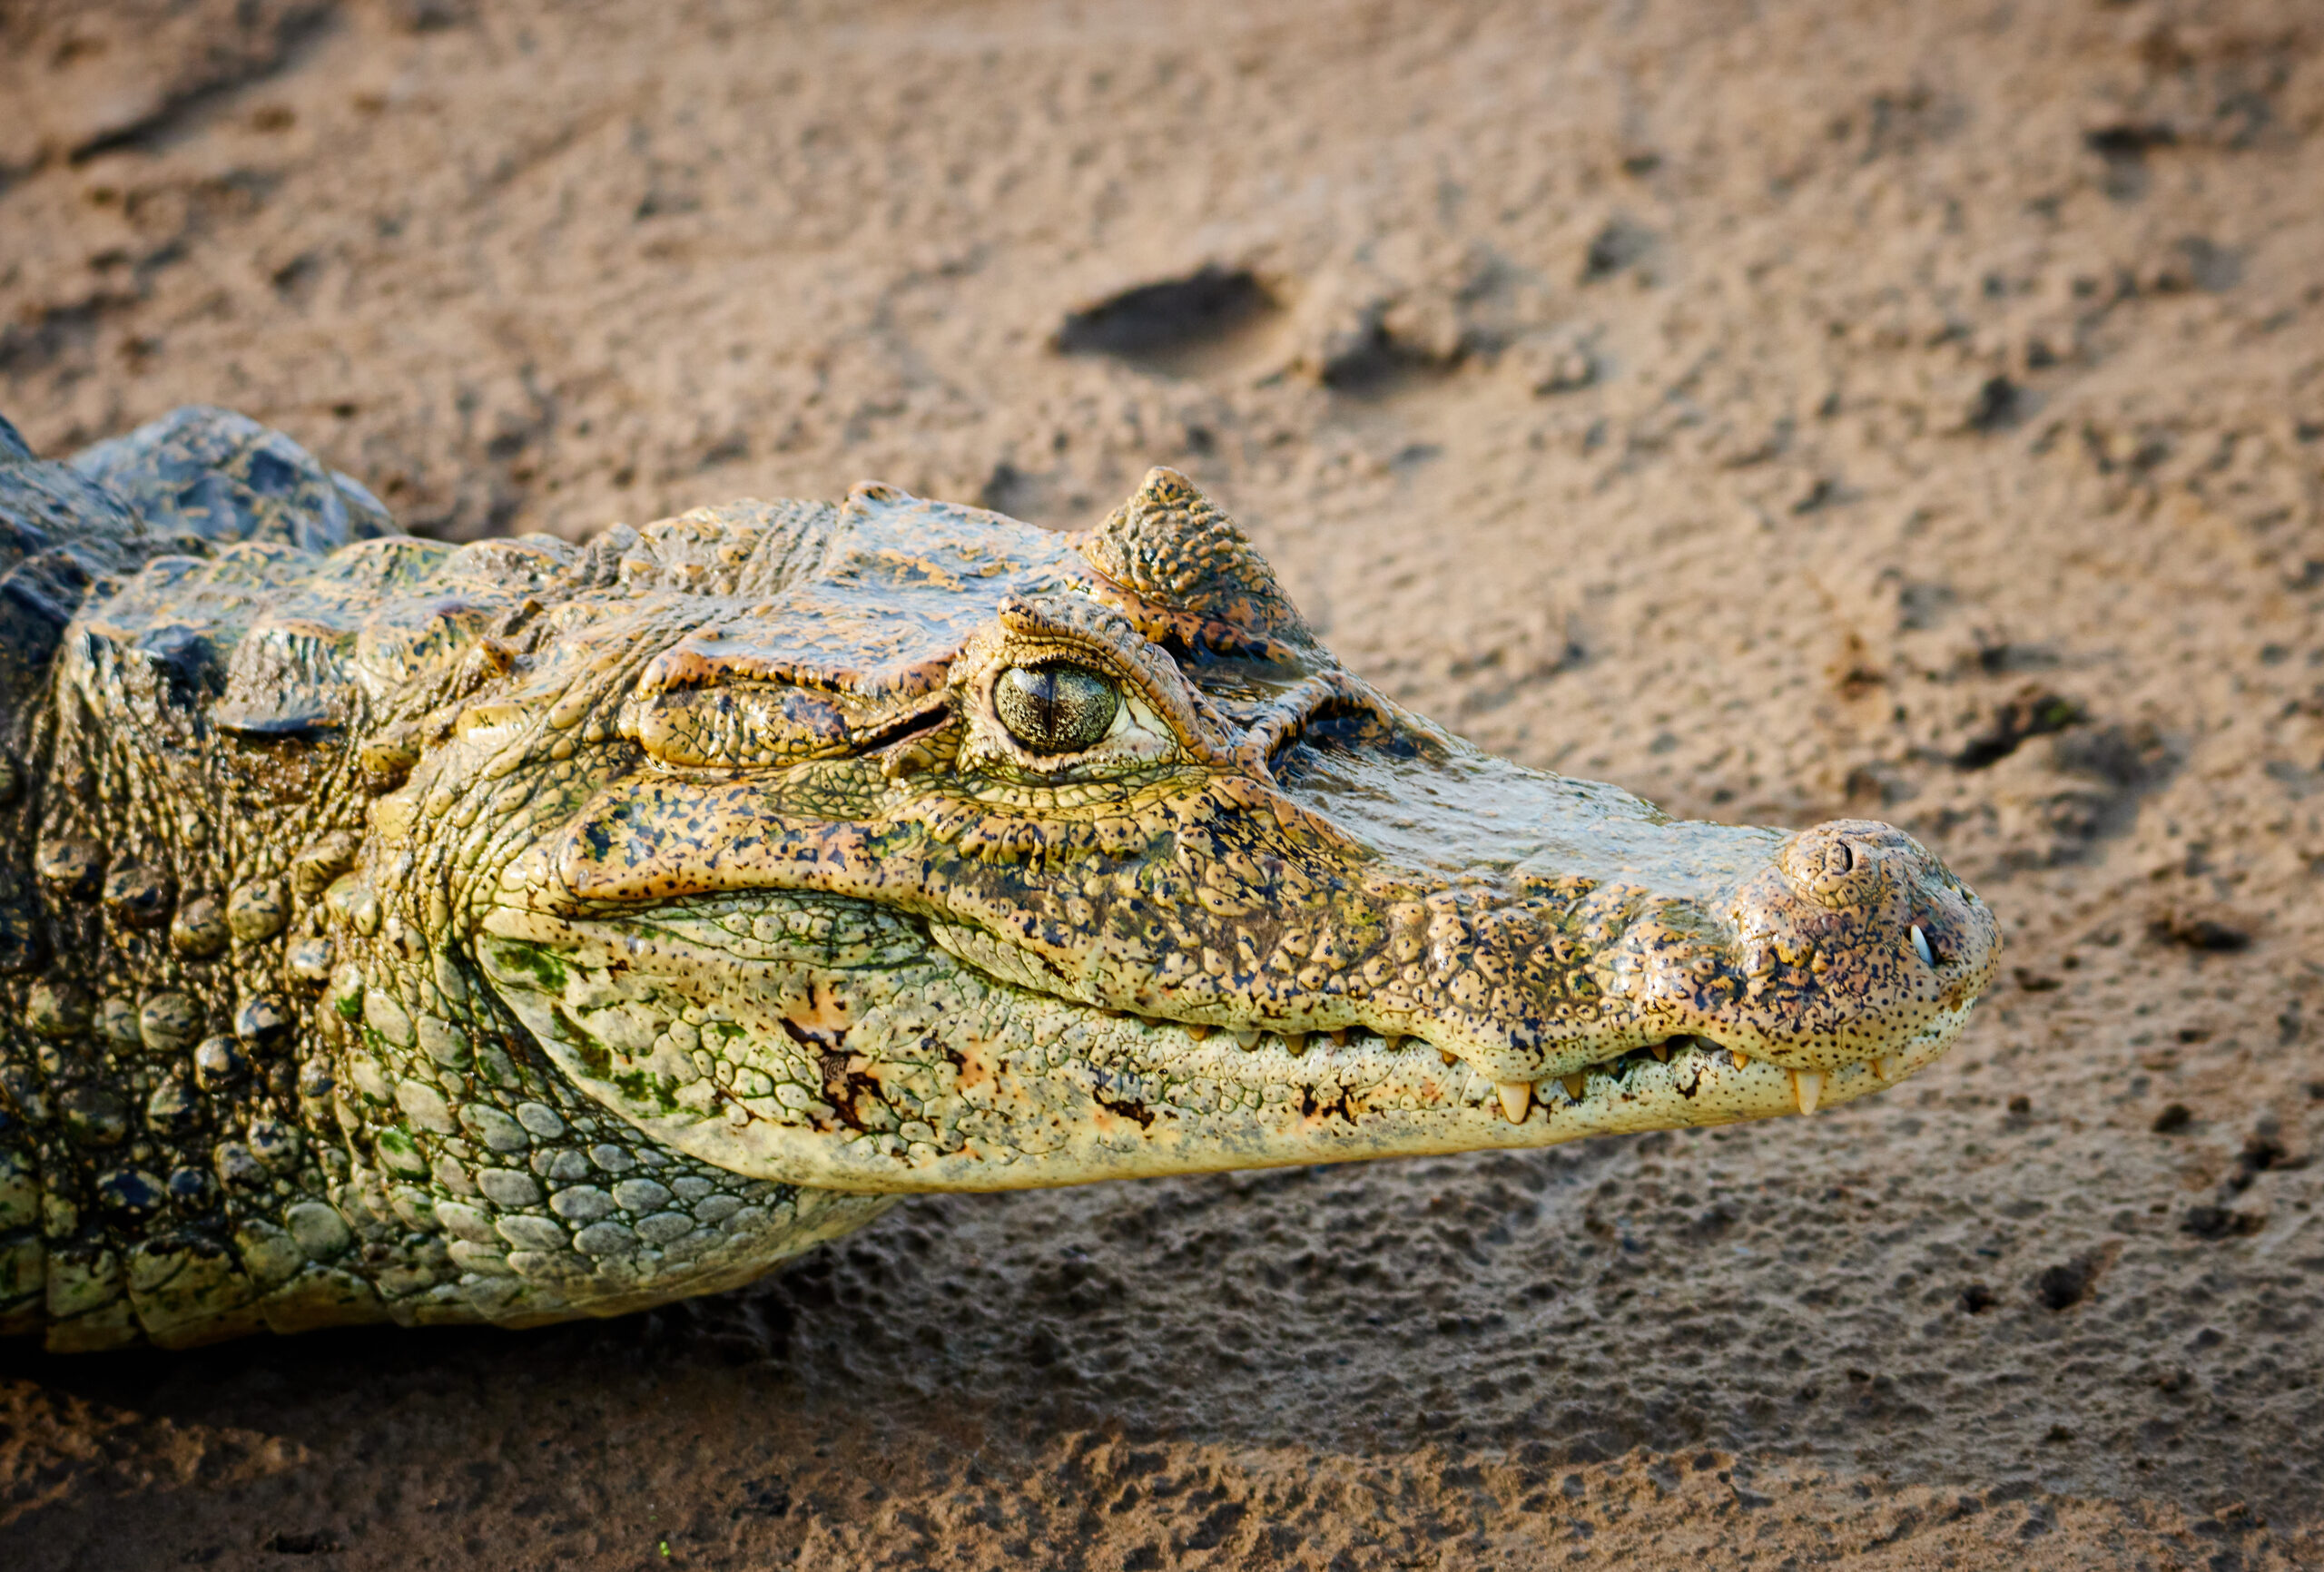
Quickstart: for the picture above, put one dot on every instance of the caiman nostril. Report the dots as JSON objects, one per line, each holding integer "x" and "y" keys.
{"x": 1842, "y": 865}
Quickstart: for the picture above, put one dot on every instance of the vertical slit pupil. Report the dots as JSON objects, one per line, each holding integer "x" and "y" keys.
{"x": 1040, "y": 696}
{"x": 1056, "y": 709}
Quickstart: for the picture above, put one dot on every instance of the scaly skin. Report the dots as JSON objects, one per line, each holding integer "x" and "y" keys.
{"x": 522, "y": 930}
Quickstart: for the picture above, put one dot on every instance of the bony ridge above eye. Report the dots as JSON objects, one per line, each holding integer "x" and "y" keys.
{"x": 1055, "y": 707}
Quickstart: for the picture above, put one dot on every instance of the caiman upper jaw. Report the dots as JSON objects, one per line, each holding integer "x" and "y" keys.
{"x": 1865, "y": 932}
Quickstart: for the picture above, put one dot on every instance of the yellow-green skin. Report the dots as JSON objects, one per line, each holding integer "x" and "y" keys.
{"x": 396, "y": 931}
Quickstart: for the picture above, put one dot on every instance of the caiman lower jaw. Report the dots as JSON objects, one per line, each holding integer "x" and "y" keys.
{"x": 811, "y": 1041}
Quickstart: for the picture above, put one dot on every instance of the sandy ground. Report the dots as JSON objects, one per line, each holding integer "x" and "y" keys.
{"x": 1782, "y": 410}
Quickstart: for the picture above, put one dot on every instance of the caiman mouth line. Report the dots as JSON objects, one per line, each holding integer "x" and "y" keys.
{"x": 1675, "y": 1065}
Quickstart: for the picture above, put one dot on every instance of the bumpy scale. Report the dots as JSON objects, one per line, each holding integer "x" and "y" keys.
{"x": 397, "y": 931}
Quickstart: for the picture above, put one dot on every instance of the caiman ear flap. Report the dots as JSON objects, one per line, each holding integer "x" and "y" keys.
{"x": 1177, "y": 559}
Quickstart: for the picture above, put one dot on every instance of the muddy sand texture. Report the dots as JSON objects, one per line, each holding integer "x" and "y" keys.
{"x": 1911, "y": 410}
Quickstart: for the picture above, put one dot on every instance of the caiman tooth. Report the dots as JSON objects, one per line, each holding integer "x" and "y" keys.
{"x": 1245, "y": 1039}
{"x": 1807, "y": 1087}
{"x": 1891, "y": 1068}
{"x": 1575, "y": 1084}
{"x": 1740, "y": 1062}
{"x": 1661, "y": 1051}
{"x": 1199, "y": 1032}
{"x": 1339, "y": 1038}
{"x": 1516, "y": 1099}
{"x": 1294, "y": 1043}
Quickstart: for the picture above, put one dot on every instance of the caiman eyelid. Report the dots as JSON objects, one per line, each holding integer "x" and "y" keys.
{"x": 1138, "y": 733}
{"x": 1160, "y": 718}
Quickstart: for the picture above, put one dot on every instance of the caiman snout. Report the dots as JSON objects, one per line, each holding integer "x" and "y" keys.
{"x": 1879, "y": 873}
{"x": 1582, "y": 926}
{"x": 1856, "y": 941}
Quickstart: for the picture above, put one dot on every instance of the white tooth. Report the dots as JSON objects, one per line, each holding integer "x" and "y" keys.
{"x": 1245, "y": 1039}
{"x": 1516, "y": 1098}
{"x": 1891, "y": 1068}
{"x": 1808, "y": 1086}
{"x": 1920, "y": 947}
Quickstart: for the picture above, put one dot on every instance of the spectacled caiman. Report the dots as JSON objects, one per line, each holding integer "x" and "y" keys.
{"x": 396, "y": 930}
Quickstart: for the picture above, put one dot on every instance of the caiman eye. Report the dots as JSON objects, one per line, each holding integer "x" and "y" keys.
{"x": 1056, "y": 709}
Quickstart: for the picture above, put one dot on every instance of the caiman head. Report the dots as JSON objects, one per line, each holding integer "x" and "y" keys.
{"x": 905, "y": 847}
